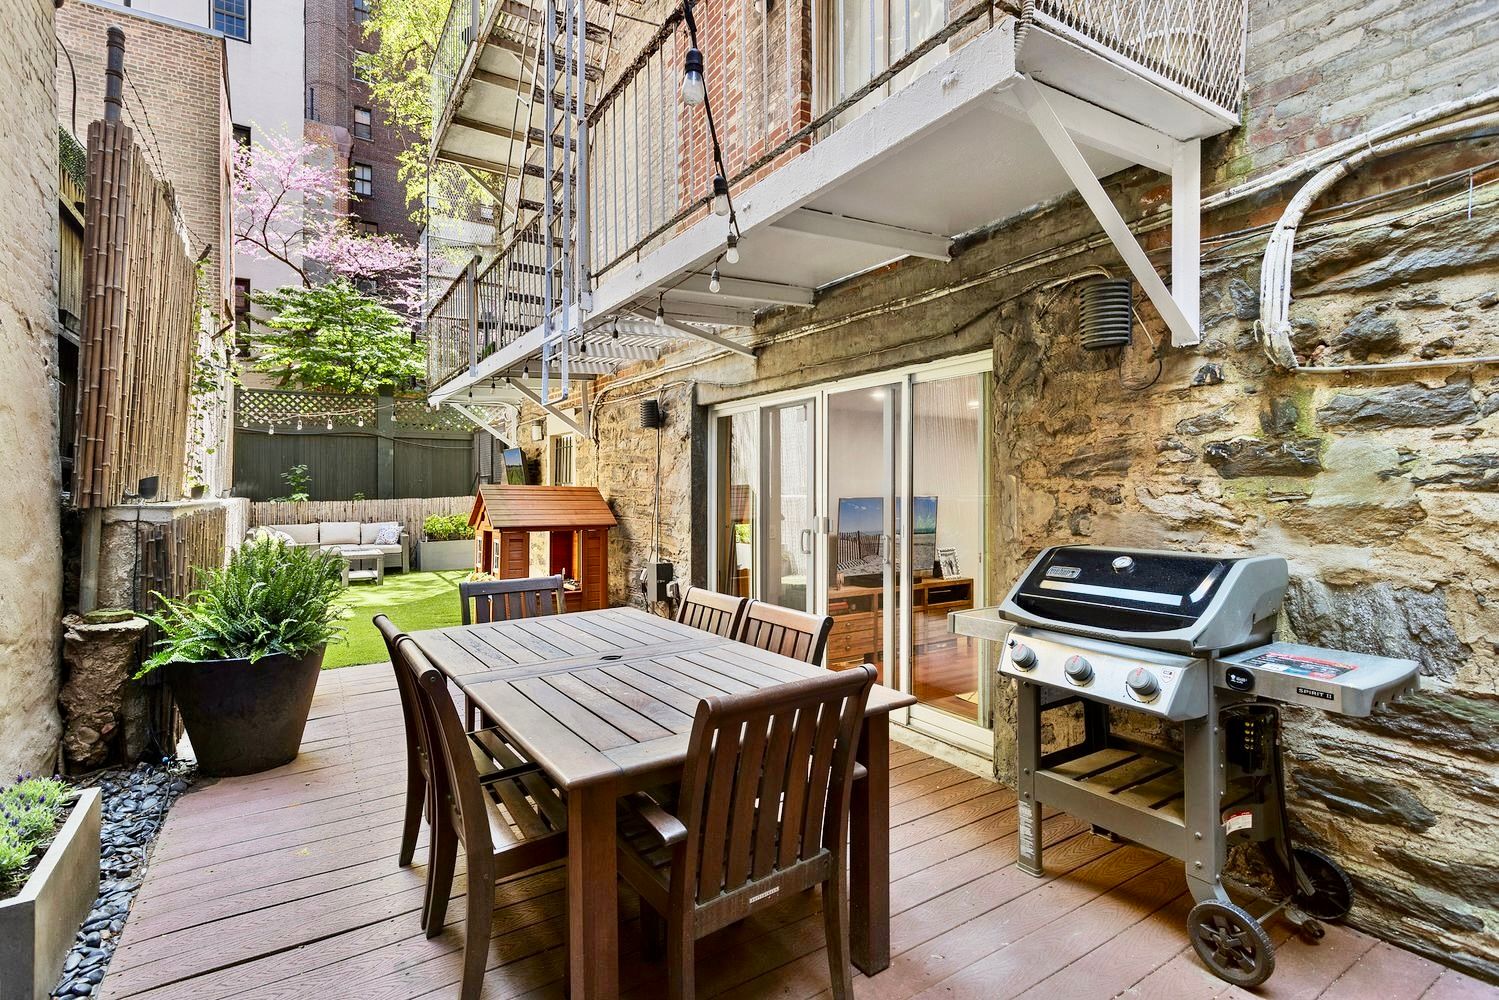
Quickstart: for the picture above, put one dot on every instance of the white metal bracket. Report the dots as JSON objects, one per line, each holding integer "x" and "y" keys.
{"x": 556, "y": 411}
{"x": 484, "y": 422}
{"x": 1178, "y": 305}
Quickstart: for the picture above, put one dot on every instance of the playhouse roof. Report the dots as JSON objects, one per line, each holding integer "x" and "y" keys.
{"x": 541, "y": 508}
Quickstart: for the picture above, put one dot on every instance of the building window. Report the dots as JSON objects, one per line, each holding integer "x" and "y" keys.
{"x": 359, "y": 73}
{"x": 361, "y": 11}
{"x": 364, "y": 180}
{"x": 242, "y": 136}
{"x": 364, "y": 123}
{"x": 232, "y": 17}
{"x": 364, "y": 227}
{"x": 562, "y": 460}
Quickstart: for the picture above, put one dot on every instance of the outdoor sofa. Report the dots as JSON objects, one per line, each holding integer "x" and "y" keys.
{"x": 340, "y": 535}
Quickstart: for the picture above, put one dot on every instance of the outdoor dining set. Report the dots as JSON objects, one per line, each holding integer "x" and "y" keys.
{"x": 708, "y": 761}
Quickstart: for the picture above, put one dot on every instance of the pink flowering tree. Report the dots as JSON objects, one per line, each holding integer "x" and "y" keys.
{"x": 291, "y": 205}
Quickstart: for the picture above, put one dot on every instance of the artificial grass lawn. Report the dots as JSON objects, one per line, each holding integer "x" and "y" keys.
{"x": 413, "y": 601}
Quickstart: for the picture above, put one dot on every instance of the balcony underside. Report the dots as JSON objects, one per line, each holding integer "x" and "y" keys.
{"x": 952, "y": 152}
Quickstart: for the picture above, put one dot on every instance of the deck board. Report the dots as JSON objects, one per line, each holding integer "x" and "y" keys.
{"x": 284, "y": 886}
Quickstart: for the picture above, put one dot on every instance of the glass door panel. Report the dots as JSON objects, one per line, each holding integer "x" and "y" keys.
{"x": 861, "y": 598}
{"x": 787, "y": 449}
{"x": 948, "y": 499}
{"x": 736, "y": 519}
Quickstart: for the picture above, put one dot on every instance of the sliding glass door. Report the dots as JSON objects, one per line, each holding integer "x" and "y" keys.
{"x": 867, "y": 501}
{"x": 861, "y": 591}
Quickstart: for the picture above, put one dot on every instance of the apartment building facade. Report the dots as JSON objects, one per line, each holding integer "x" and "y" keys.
{"x": 879, "y": 326}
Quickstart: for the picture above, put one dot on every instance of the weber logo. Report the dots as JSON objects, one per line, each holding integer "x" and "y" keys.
{"x": 1314, "y": 693}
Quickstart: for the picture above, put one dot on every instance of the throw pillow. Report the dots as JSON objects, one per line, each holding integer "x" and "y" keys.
{"x": 389, "y": 534}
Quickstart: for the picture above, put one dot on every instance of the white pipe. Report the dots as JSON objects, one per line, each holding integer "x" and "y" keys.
{"x": 1275, "y": 272}
{"x": 1336, "y": 151}
{"x": 1398, "y": 366}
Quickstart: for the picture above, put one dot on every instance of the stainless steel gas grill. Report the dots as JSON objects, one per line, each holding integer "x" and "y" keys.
{"x": 1186, "y": 638}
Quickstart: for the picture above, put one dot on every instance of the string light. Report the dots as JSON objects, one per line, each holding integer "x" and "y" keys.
{"x": 694, "y": 87}
{"x": 299, "y": 423}
{"x": 330, "y": 423}
{"x": 661, "y": 311}
{"x": 720, "y": 195}
{"x": 731, "y": 253}
{"x": 271, "y": 430}
{"x": 713, "y": 283}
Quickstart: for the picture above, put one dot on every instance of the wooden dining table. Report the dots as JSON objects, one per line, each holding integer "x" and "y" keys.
{"x": 603, "y": 701}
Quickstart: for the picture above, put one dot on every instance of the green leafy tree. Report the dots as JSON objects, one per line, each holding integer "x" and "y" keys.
{"x": 334, "y": 338}
{"x": 405, "y": 34}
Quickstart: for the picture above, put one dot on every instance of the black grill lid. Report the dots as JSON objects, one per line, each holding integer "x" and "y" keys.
{"x": 1163, "y": 600}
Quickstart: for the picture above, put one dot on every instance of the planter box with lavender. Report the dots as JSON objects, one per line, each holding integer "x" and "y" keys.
{"x": 38, "y": 924}
{"x": 447, "y": 543}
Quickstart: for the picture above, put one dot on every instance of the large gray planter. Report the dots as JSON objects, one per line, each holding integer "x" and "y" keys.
{"x": 432, "y": 556}
{"x": 245, "y": 717}
{"x": 37, "y": 927}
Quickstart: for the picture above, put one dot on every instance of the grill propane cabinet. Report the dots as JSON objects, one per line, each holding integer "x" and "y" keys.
{"x": 1185, "y": 638}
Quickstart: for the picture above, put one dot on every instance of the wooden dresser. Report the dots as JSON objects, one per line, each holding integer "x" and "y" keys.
{"x": 857, "y": 613}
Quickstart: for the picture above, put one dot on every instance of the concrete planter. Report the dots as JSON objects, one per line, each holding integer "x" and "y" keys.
{"x": 37, "y": 927}
{"x": 458, "y": 554}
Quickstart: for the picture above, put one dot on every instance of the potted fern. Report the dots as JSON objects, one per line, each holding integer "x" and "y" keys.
{"x": 242, "y": 653}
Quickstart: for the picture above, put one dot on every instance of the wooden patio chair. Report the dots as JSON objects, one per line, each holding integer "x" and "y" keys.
{"x": 711, "y": 611}
{"x": 491, "y": 751}
{"x": 513, "y": 821}
{"x": 487, "y": 601}
{"x": 763, "y": 814}
{"x": 505, "y": 600}
{"x": 780, "y": 630}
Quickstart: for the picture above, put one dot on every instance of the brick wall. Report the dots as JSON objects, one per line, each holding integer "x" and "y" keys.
{"x": 175, "y": 102}
{"x": 31, "y": 572}
{"x": 333, "y": 41}
{"x": 1378, "y": 487}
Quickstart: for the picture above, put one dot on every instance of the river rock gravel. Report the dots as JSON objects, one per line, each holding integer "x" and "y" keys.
{"x": 135, "y": 802}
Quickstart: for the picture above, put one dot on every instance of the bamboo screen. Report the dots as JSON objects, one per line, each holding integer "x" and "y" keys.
{"x": 140, "y": 330}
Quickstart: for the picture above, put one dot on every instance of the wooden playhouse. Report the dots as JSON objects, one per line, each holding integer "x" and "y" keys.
{"x": 575, "y": 521}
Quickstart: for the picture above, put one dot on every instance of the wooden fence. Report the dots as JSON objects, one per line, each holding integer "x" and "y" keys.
{"x": 410, "y": 513}
{"x": 379, "y": 446}
{"x": 171, "y": 554}
{"x": 139, "y": 328}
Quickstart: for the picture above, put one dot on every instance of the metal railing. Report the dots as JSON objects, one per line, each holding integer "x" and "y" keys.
{"x": 464, "y": 17}
{"x": 1197, "y": 45}
{"x": 488, "y": 306}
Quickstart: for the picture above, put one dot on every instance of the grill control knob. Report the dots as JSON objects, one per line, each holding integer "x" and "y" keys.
{"x": 1142, "y": 682}
{"x": 1079, "y": 670}
{"x": 1123, "y": 564}
{"x": 1022, "y": 655}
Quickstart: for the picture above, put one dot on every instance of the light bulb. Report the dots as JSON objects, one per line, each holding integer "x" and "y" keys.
{"x": 731, "y": 255}
{"x": 330, "y": 423}
{"x": 720, "y": 195}
{"x": 361, "y": 421}
{"x": 271, "y": 429}
{"x": 616, "y": 329}
{"x": 694, "y": 87}
{"x": 299, "y": 423}
{"x": 660, "y": 315}
{"x": 713, "y": 283}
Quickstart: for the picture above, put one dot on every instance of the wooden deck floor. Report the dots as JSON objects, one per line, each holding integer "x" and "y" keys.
{"x": 284, "y": 885}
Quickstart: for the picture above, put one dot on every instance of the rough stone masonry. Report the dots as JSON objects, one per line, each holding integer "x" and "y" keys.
{"x": 1381, "y": 488}
{"x": 31, "y": 567}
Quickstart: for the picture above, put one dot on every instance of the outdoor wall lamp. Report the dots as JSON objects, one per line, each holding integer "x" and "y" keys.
{"x": 694, "y": 88}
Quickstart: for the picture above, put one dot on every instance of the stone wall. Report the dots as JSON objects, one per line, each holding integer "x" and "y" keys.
{"x": 1381, "y": 488}
{"x": 31, "y": 571}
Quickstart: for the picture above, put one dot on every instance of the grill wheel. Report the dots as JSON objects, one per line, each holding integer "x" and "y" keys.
{"x": 1231, "y": 943}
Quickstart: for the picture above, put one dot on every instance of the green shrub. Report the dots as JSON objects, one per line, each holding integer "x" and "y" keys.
{"x": 272, "y": 598}
{"x": 29, "y": 811}
{"x": 447, "y": 528}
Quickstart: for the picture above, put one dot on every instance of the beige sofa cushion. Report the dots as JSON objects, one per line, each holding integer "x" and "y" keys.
{"x": 301, "y": 534}
{"x": 338, "y": 533}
